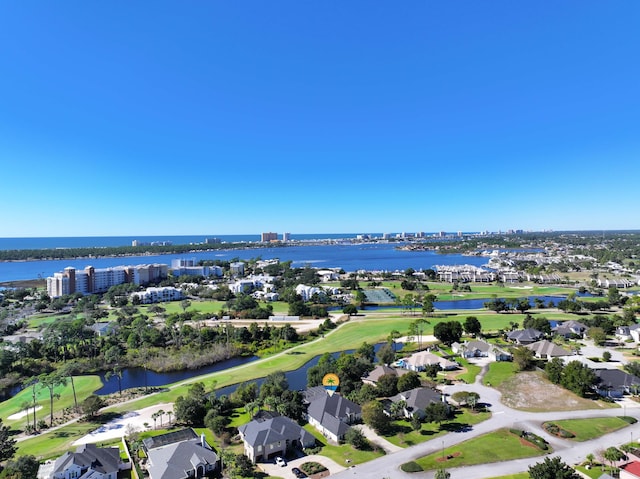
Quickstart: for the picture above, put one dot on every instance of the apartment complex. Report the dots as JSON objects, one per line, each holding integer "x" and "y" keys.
{"x": 190, "y": 267}
{"x": 266, "y": 237}
{"x": 91, "y": 280}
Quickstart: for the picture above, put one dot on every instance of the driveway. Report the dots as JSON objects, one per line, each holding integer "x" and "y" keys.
{"x": 285, "y": 472}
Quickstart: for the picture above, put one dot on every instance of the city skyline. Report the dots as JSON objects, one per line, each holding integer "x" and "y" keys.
{"x": 158, "y": 118}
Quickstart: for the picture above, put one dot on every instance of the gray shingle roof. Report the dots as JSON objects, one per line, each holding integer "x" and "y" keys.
{"x": 89, "y": 456}
{"x": 333, "y": 412}
{"x": 273, "y": 430}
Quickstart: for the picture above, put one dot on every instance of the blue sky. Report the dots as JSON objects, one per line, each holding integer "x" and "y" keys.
{"x": 211, "y": 117}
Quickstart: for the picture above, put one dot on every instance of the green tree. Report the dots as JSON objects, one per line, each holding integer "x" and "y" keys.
{"x": 427, "y": 304}
{"x": 472, "y": 326}
{"x": 216, "y": 422}
{"x": 554, "y": 369}
{"x": 192, "y": 409}
{"x": 373, "y": 416}
{"x": 442, "y": 474}
{"x": 578, "y": 378}
{"x": 613, "y": 455}
{"x": 436, "y": 412}
{"x": 448, "y": 332}
{"x": 24, "y": 467}
{"x": 523, "y": 358}
{"x": 357, "y": 439}
{"x": 366, "y": 351}
{"x": 552, "y": 468}
{"x": 416, "y": 423}
{"x": 387, "y": 385}
{"x": 7, "y": 443}
{"x": 386, "y": 354}
{"x": 92, "y": 404}
{"x": 350, "y": 309}
{"x": 51, "y": 381}
{"x": 408, "y": 381}
{"x": 597, "y": 334}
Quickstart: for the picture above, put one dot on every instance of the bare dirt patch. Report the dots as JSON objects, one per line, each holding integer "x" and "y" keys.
{"x": 530, "y": 391}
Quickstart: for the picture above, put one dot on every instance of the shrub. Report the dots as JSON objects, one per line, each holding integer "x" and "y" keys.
{"x": 310, "y": 468}
{"x": 629, "y": 419}
{"x": 411, "y": 467}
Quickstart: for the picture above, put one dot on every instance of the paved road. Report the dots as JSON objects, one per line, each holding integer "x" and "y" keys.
{"x": 571, "y": 452}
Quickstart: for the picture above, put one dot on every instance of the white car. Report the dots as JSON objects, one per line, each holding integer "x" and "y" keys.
{"x": 280, "y": 462}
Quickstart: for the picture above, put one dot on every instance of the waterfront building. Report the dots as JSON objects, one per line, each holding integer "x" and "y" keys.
{"x": 190, "y": 267}
{"x": 98, "y": 280}
{"x": 286, "y": 236}
{"x": 237, "y": 268}
{"x": 267, "y": 237}
{"x": 158, "y": 295}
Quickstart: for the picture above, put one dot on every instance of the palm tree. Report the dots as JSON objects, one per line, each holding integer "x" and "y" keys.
{"x": 154, "y": 416}
{"x": 51, "y": 381}
{"x": 68, "y": 370}
{"x": 117, "y": 372}
{"x": 442, "y": 474}
{"x": 160, "y": 414}
{"x": 613, "y": 454}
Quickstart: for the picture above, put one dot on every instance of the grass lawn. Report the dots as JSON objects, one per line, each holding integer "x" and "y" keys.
{"x": 499, "y": 372}
{"x": 85, "y": 386}
{"x": 500, "y": 445}
{"x": 206, "y": 306}
{"x": 591, "y": 428}
{"x": 56, "y": 443}
{"x": 342, "y": 453}
{"x": 40, "y": 319}
{"x": 405, "y": 436}
{"x": 595, "y": 471}
{"x": 470, "y": 371}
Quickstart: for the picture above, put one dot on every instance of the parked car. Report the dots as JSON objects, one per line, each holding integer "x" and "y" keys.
{"x": 280, "y": 462}
{"x": 298, "y": 473}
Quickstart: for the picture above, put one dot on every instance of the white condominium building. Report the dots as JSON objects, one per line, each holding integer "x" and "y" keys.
{"x": 91, "y": 280}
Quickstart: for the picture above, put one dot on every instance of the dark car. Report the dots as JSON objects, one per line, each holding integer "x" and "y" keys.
{"x": 298, "y": 472}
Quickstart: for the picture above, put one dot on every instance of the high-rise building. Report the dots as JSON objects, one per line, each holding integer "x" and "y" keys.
{"x": 286, "y": 236}
{"x": 91, "y": 280}
{"x": 266, "y": 237}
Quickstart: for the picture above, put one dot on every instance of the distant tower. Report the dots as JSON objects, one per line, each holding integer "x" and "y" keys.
{"x": 286, "y": 236}
{"x": 266, "y": 237}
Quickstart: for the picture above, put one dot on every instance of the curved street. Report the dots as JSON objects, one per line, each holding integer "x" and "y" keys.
{"x": 502, "y": 417}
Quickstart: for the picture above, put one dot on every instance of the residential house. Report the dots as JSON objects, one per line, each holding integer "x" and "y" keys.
{"x": 103, "y": 328}
{"x": 307, "y": 292}
{"x": 615, "y": 383}
{"x": 525, "y": 336}
{"x": 382, "y": 370}
{"x": 421, "y": 360}
{"x": 570, "y": 329}
{"x": 509, "y": 277}
{"x": 625, "y": 333}
{"x": 547, "y": 350}
{"x": 630, "y": 470}
{"x": 614, "y": 282}
{"x": 416, "y": 401}
{"x": 266, "y": 439}
{"x": 179, "y": 455}
{"x": 480, "y": 349}
{"x": 89, "y": 461}
{"x": 333, "y": 415}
